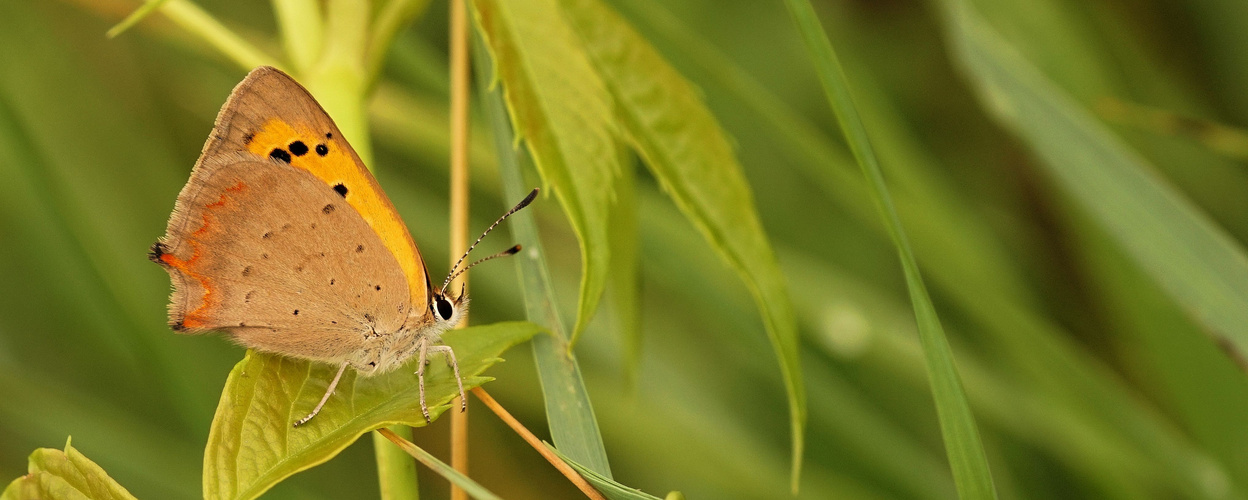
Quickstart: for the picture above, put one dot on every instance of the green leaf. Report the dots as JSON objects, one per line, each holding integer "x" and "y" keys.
{"x": 252, "y": 444}
{"x": 605, "y": 485}
{"x": 692, "y": 159}
{"x": 569, "y": 411}
{"x": 560, "y": 108}
{"x": 440, "y": 467}
{"x": 1196, "y": 263}
{"x": 957, "y": 424}
{"x": 64, "y": 475}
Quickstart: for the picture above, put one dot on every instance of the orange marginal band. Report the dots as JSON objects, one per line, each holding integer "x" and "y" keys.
{"x": 195, "y": 318}
{"x": 323, "y": 157}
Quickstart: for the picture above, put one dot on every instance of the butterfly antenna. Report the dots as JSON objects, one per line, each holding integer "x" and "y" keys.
{"x": 504, "y": 253}
{"x": 453, "y": 273}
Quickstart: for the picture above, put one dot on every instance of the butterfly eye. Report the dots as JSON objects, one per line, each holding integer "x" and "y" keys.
{"x": 445, "y": 309}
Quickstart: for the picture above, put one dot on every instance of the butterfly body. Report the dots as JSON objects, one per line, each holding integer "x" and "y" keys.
{"x": 284, "y": 240}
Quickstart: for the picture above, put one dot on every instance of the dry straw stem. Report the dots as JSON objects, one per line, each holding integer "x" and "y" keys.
{"x": 459, "y": 201}
{"x": 536, "y": 443}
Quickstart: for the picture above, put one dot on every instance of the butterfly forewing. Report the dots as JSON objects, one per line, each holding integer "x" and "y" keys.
{"x": 270, "y": 116}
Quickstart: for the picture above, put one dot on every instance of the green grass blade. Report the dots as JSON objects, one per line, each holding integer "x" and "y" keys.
{"x": 1198, "y": 265}
{"x": 626, "y": 269}
{"x": 394, "y": 16}
{"x": 303, "y": 31}
{"x": 569, "y": 411}
{"x": 691, "y": 157}
{"x": 139, "y": 14}
{"x": 252, "y": 444}
{"x": 196, "y": 21}
{"x": 962, "y": 442}
{"x": 560, "y": 108}
{"x": 64, "y": 474}
{"x": 467, "y": 484}
{"x": 605, "y": 485}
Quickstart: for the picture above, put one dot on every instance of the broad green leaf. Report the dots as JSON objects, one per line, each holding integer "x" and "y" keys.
{"x": 605, "y": 485}
{"x": 252, "y": 444}
{"x": 569, "y": 411}
{"x": 562, "y": 111}
{"x": 64, "y": 475}
{"x": 440, "y": 467}
{"x": 1197, "y": 264}
{"x": 692, "y": 159}
{"x": 957, "y": 423}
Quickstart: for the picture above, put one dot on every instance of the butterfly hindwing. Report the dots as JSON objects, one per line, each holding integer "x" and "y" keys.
{"x": 269, "y": 253}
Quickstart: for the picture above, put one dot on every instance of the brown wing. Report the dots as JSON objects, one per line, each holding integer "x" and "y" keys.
{"x": 272, "y": 255}
{"x": 269, "y": 115}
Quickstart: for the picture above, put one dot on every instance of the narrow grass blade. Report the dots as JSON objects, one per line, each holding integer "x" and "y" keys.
{"x": 691, "y": 157}
{"x": 962, "y": 442}
{"x": 605, "y": 485}
{"x": 569, "y": 412}
{"x": 440, "y": 467}
{"x": 190, "y": 17}
{"x": 1197, "y": 264}
{"x": 303, "y": 31}
{"x": 626, "y": 269}
{"x": 252, "y": 444}
{"x": 392, "y": 18}
{"x": 561, "y": 110}
{"x": 139, "y": 14}
{"x": 64, "y": 474}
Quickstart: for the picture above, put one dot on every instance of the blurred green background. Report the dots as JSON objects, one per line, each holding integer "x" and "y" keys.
{"x": 1086, "y": 379}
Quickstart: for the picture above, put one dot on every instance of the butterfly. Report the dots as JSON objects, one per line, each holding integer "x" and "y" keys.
{"x": 283, "y": 240}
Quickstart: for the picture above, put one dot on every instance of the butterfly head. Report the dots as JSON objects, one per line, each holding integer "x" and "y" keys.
{"x": 447, "y": 311}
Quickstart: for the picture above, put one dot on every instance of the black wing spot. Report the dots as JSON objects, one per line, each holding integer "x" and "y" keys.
{"x": 264, "y": 256}
{"x": 247, "y": 271}
{"x": 177, "y": 326}
{"x": 329, "y": 135}
{"x": 331, "y": 281}
{"x": 378, "y": 287}
{"x": 285, "y": 226}
{"x": 328, "y": 209}
{"x": 248, "y": 137}
{"x": 313, "y": 225}
{"x": 267, "y": 235}
{"x": 296, "y": 312}
{"x": 156, "y": 251}
{"x": 322, "y": 149}
{"x": 341, "y": 189}
{"x": 359, "y": 248}
{"x": 280, "y": 154}
{"x": 333, "y": 322}
{"x": 240, "y": 323}
{"x": 298, "y": 269}
{"x": 247, "y": 298}
{"x": 298, "y": 148}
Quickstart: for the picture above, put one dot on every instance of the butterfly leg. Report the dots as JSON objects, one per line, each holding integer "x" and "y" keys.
{"x": 450, "y": 360}
{"x": 332, "y": 385}
{"x": 422, "y": 346}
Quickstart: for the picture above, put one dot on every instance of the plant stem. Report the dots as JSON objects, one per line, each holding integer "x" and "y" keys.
{"x": 459, "y": 204}
{"x": 536, "y": 443}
